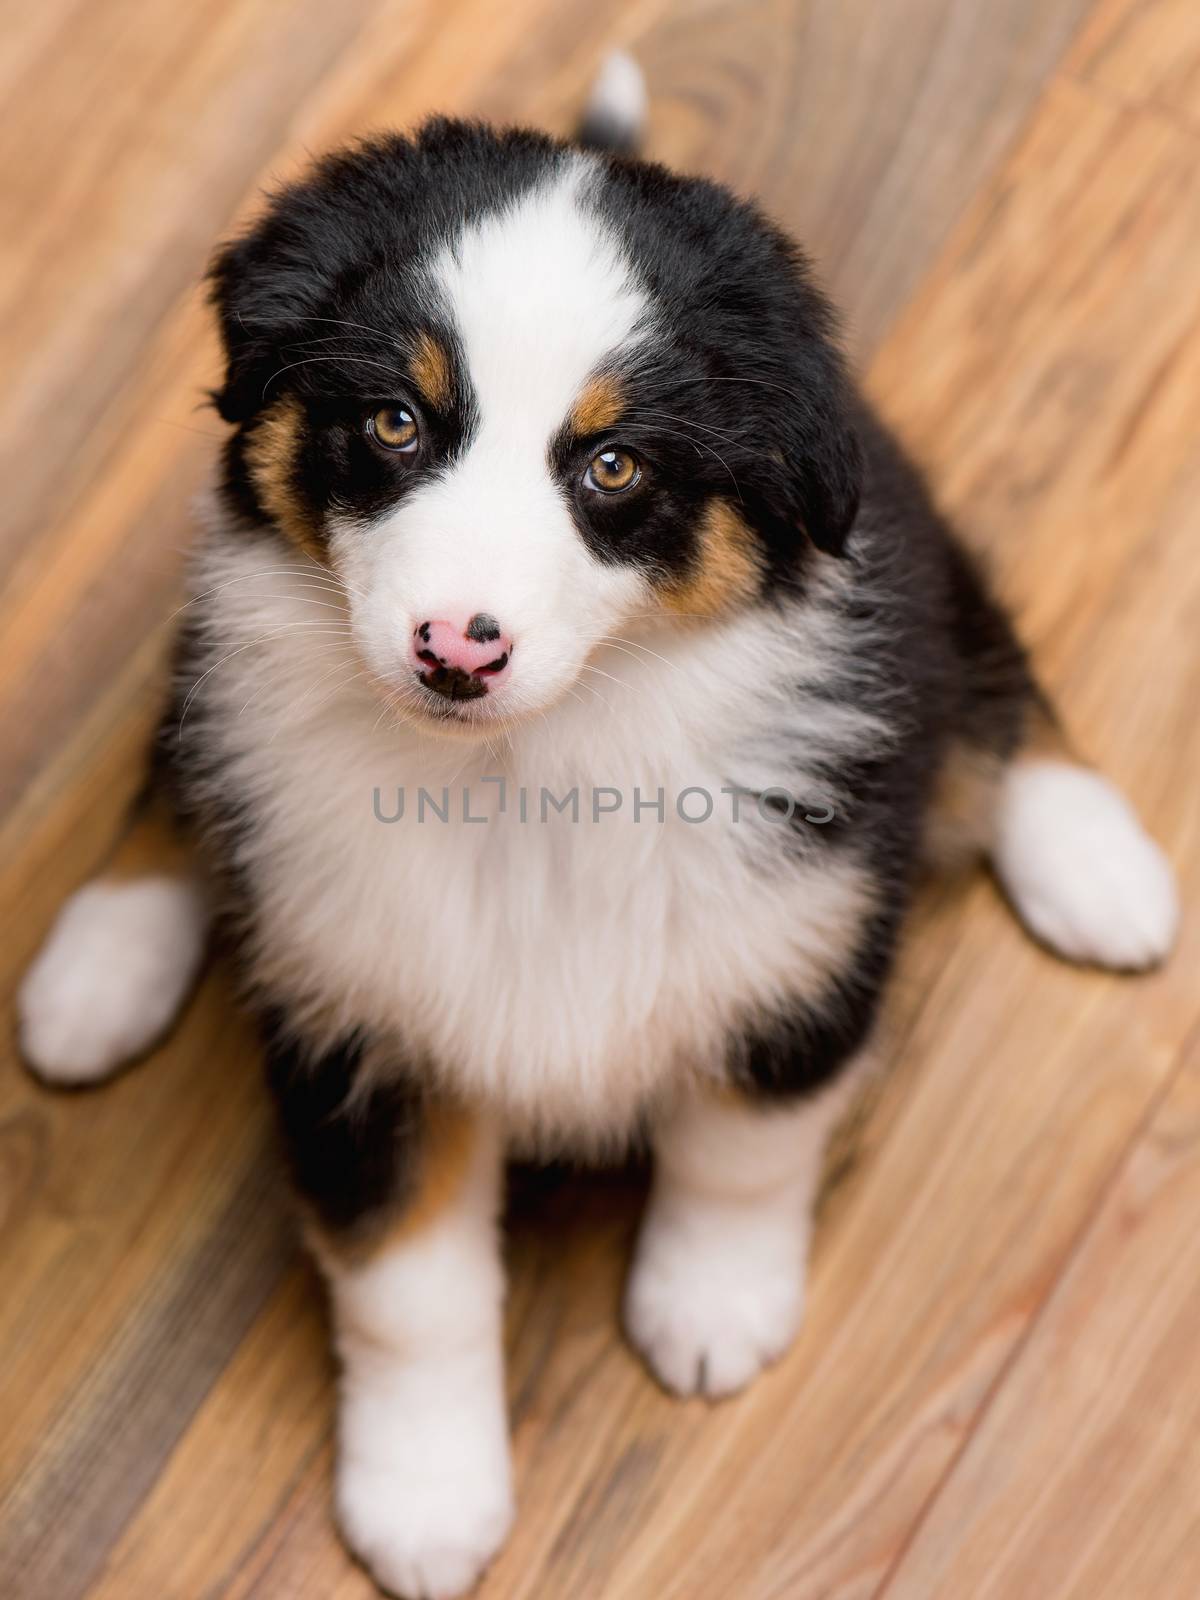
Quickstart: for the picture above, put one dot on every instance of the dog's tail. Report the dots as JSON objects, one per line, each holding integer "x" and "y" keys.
{"x": 614, "y": 119}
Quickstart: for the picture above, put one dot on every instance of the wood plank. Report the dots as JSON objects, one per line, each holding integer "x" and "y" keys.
{"x": 1146, "y": 53}
{"x": 1081, "y": 1482}
{"x": 1057, "y": 401}
{"x": 125, "y": 147}
{"x": 258, "y": 1434}
{"x": 137, "y": 1268}
{"x": 866, "y": 125}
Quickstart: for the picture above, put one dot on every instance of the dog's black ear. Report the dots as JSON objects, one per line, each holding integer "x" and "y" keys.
{"x": 809, "y": 478}
{"x": 274, "y": 288}
{"x": 826, "y": 476}
{"x": 267, "y": 286}
{"x": 239, "y": 290}
{"x": 819, "y": 434}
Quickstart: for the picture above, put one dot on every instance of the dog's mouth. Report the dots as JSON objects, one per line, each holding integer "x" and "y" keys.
{"x": 434, "y": 710}
{"x": 453, "y": 684}
{"x": 447, "y": 713}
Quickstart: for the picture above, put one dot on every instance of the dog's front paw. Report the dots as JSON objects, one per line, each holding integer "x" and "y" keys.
{"x": 709, "y": 1313}
{"x": 425, "y": 1534}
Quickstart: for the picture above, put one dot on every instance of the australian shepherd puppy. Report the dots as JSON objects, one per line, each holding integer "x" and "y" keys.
{"x": 575, "y": 678}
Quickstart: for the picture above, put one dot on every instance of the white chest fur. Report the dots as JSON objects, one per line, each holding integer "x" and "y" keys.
{"x": 566, "y": 966}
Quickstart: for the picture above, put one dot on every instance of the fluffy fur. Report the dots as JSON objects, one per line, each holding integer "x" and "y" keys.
{"x": 639, "y": 873}
{"x": 111, "y": 976}
{"x": 1079, "y": 868}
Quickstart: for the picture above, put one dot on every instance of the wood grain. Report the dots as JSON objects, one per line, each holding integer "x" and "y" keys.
{"x": 1075, "y": 1485}
{"x": 994, "y": 1394}
{"x": 1144, "y": 53}
{"x": 867, "y": 125}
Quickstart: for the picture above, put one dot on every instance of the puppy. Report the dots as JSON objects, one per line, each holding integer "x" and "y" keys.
{"x": 575, "y": 678}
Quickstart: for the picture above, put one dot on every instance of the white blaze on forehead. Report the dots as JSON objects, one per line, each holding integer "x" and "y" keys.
{"x": 540, "y": 294}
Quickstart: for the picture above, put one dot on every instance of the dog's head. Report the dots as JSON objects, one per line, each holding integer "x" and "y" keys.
{"x": 517, "y": 396}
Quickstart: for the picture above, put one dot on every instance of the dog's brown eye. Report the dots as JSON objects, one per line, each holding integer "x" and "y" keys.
{"x": 612, "y": 470}
{"x": 394, "y": 427}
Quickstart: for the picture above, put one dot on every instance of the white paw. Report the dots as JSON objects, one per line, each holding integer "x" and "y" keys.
{"x": 425, "y": 1533}
{"x": 110, "y": 977}
{"x": 1080, "y": 869}
{"x": 709, "y": 1311}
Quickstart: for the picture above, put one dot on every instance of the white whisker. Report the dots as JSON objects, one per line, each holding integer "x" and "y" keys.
{"x": 315, "y": 575}
{"x": 278, "y": 677}
{"x": 619, "y": 644}
{"x": 362, "y": 361}
{"x": 274, "y": 633}
{"x": 288, "y": 713}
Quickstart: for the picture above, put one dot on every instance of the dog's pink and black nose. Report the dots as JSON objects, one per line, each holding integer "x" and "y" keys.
{"x": 461, "y": 659}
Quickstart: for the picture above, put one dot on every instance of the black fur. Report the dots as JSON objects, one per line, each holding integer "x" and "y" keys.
{"x": 352, "y": 1148}
{"x": 800, "y": 1050}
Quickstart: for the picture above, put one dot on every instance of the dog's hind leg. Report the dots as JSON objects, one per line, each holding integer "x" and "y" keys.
{"x": 1081, "y": 871}
{"x": 1070, "y": 853}
{"x": 120, "y": 959}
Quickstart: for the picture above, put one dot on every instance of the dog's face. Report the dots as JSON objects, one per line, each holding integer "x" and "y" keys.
{"x": 518, "y": 397}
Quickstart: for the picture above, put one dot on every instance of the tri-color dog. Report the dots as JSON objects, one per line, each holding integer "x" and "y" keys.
{"x": 547, "y": 494}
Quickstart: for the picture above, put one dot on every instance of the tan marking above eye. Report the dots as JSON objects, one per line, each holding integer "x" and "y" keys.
{"x": 394, "y": 427}
{"x": 598, "y": 407}
{"x": 612, "y": 470}
{"x": 431, "y": 370}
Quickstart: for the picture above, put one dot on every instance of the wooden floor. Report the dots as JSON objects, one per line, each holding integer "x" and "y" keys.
{"x": 997, "y": 1393}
